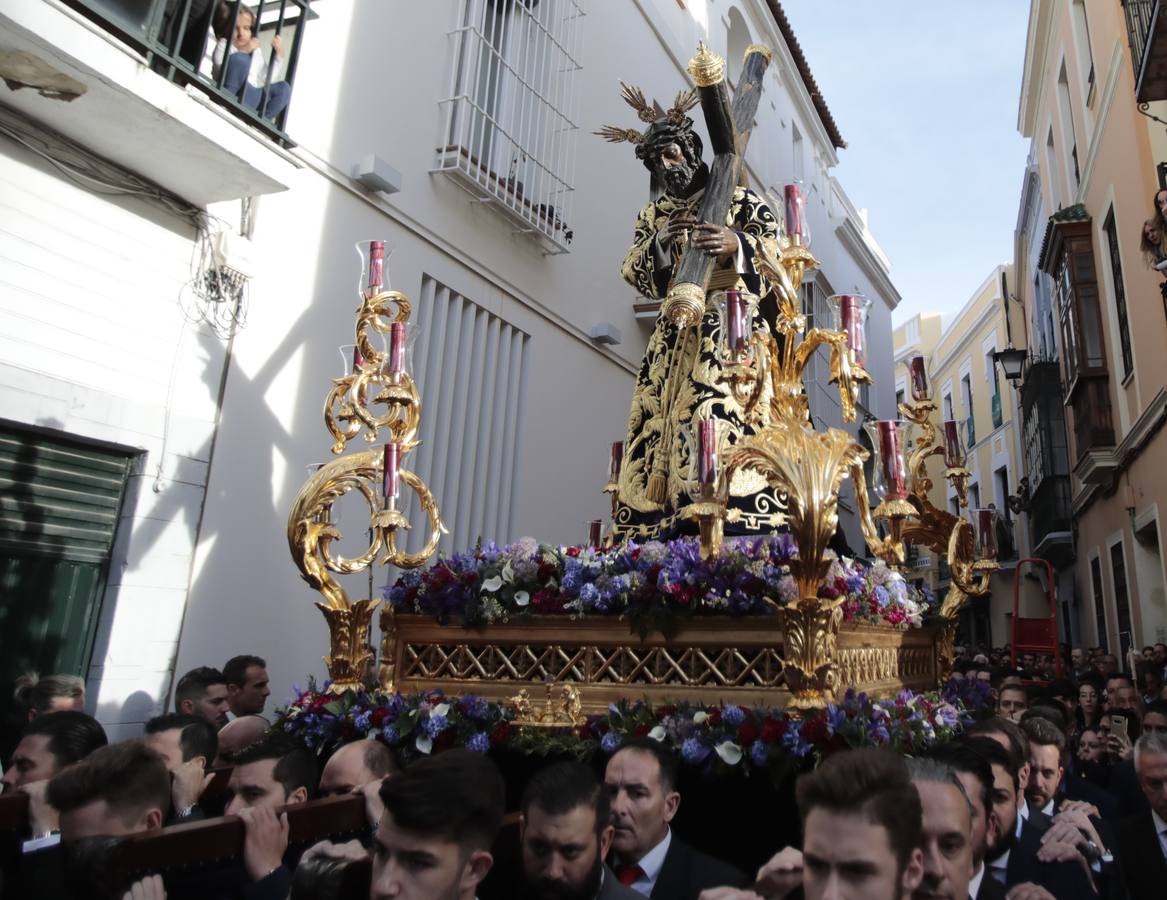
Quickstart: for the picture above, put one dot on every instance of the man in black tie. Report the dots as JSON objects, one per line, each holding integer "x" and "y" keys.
{"x": 642, "y": 784}
{"x": 1142, "y": 838}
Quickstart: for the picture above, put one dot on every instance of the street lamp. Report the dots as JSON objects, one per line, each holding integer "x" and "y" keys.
{"x": 1012, "y": 362}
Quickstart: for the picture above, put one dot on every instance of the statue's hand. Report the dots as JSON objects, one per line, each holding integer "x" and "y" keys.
{"x": 679, "y": 224}
{"x": 716, "y": 240}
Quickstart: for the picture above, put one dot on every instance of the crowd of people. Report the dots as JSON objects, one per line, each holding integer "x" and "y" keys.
{"x": 1061, "y": 792}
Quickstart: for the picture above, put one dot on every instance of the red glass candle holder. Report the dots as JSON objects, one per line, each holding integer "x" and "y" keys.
{"x": 849, "y": 315}
{"x": 890, "y": 438}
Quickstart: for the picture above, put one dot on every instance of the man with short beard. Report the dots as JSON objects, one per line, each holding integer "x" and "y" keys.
{"x": 1019, "y": 855}
{"x": 565, "y": 833}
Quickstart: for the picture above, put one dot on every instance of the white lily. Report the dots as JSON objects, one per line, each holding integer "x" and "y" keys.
{"x": 729, "y": 752}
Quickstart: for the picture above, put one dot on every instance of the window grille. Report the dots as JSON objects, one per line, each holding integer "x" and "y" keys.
{"x": 471, "y": 370}
{"x": 510, "y": 119}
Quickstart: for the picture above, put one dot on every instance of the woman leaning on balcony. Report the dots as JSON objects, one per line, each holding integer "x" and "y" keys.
{"x": 247, "y": 70}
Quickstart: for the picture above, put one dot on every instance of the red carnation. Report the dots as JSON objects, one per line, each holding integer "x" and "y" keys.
{"x": 814, "y": 731}
{"x": 642, "y": 730}
{"x": 714, "y": 716}
{"x": 377, "y": 717}
{"x": 500, "y": 734}
{"x": 773, "y": 730}
{"x": 573, "y": 551}
{"x": 747, "y": 734}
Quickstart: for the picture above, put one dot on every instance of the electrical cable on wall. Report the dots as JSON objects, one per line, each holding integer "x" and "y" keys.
{"x": 214, "y": 296}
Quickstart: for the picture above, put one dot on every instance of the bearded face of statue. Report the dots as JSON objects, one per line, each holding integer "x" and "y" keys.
{"x": 673, "y": 169}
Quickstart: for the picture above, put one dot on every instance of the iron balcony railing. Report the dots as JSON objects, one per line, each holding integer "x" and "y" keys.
{"x": 206, "y": 43}
{"x": 1139, "y": 14}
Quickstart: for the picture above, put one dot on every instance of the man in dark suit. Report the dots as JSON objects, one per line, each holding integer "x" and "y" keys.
{"x": 642, "y": 786}
{"x": 1142, "y": 838}
{"x": 565, "y": 831}
{"x": 1019, "y": 855}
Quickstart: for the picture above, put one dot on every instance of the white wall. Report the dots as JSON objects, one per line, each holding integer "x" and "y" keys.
{"x": 94, "y": 342}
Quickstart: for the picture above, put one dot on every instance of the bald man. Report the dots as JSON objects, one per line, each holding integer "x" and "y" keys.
{"x": 238, "y": 734}
{"x": 355, "y": 764}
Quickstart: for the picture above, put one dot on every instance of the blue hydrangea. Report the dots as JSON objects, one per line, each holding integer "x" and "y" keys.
{"x": 589, "y": 594}
{"x": 435, "y": 725}
{"x": 475, "y": 707}
{"x": 759, "y": 753}
{"x": 611, "y": 742}
{"x": 694, "y": 751}
{"x": 390, "y": 734}
{"x": 732, "y": 716}
{"x": 882, "y": 598}
{"x": 361, "y": 720}
{"x": 479, "y": 743}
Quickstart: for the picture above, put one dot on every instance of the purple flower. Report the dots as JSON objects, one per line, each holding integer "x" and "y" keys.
{"x": 882, "y": 597}
{"x": 793, "y": 741}
{"x": 694, "y": 751}
{"x": 478, "y": 742}
{"x": 361, "y": 720}
{"x": 611, "y": 742}
{"x": 391, "y": 734}
{"x": 732, "y": 716}
{"x": 435, "y": 725}
{"x": 759, "y": 752}
{"x": 836, "y": 718}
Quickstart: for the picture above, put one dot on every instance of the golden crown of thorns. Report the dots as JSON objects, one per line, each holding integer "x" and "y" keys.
{"x": 647, "y": 113}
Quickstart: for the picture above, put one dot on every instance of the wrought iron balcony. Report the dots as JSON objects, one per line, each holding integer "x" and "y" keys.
{"x": 1146, "y": 27}
{"x": 191, "y": 42}
{"x": 1050, "y": 520}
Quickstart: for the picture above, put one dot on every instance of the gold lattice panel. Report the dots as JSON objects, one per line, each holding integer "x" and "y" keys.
{"x": 590, "y": 664}
{"x": 713, "y": 661}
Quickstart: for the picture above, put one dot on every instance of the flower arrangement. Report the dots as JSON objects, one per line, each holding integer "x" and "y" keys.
{"x": 717, "y": 739}
{"x": 654, "y": 585}
{"x": 413, "y": 725}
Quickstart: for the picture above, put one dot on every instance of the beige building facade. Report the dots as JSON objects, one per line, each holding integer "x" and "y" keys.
{"x": 1094, "y": 395}
{"x": 971, "y": 389}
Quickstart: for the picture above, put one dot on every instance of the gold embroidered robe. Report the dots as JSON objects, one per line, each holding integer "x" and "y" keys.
{"x": 679, "y": 382}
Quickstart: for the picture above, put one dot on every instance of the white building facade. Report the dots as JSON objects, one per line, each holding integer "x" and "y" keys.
{"x": 507, "y": 227}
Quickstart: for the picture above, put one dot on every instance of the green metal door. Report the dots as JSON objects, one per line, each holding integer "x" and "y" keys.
{"x": 60, "y": 502}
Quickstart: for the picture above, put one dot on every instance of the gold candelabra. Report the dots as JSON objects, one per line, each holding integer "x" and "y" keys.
{"x": 809, "y": 467}
{"x": 377, "y": 395}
